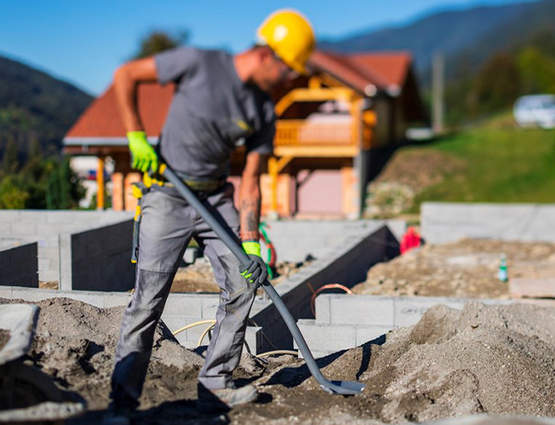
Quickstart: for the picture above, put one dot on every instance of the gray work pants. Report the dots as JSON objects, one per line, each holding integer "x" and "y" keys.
{"x": 167, "y": 225}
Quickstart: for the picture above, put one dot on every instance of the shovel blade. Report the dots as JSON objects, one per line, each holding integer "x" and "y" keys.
{"x": 343, "y": 387}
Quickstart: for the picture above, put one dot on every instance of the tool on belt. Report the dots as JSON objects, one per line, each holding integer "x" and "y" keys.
{"x": 229, "y": 239}
{"x": 139, "y": 189}
{"x": 150, "y": 180}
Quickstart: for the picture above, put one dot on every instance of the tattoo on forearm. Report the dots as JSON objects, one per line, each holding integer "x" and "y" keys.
{"x": 250, "y": 215}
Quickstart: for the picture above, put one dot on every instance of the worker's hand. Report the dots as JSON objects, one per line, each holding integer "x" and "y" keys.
{"x": 255, "y": 272}
{"x": 143, "y": 156}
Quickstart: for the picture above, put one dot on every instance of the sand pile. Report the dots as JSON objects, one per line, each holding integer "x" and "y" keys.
{"x": 483, "y": 359}
{"x": 467, "y": 268}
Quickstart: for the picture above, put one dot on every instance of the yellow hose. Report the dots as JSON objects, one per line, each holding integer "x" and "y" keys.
{"x": 271, "y": 353}
{"x": 208, "y": 329}
{"x": 192, "y": 325}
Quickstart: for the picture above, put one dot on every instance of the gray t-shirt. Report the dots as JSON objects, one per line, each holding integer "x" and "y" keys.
{"x": 211, "y": 113}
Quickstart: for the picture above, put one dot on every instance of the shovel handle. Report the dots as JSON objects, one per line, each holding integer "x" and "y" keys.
{"x": 230, "y": 241}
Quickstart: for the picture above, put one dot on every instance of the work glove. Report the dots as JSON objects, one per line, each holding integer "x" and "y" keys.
{"x": 143, "y": 156}
{"x": 255, "y": 271}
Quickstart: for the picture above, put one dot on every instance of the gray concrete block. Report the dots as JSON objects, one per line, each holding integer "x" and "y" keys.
{"x": 368, "y": 333}
{"x": 43, "y": 263}
{"x": 448, "y": 222}
{"x": 65, "y": 263}
{"x": 327, "y": 337}
{"x": 23, "y": 228}
{"x": 409, "y": 310}
{"x": 5, "y": 292}
{"x": 322, "y": 308}
{"x": 182, "y": 304}
{"x": 361, "y": 310}
{"x": 116, "y": 299}
{"x": 49, "y": 275}
{"x": 210, "y": 307}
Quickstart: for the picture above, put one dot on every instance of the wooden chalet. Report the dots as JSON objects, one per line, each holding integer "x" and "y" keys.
{"x": 328, "y": 125}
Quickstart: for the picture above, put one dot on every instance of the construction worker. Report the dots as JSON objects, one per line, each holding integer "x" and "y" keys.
{"x": 220, "y": 101}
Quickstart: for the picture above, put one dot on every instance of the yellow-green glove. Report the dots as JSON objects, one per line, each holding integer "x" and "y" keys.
{"x": 143, "y": 156}
{"x": 255, "y": 271}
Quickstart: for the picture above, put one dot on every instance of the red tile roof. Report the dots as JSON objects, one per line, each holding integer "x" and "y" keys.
{"x": 102, "y": 119}
{"x": 363, "y": 72}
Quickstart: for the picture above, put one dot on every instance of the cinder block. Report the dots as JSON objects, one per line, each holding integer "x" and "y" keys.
{"x": 210, "y": 307}
{"x": 24, "y": 229}
{"x": 363, "y": 310}
{"x": 322, "y": 309}
{"x": 44, "y": 263}
{"x": 5, "y": 228}
{"x": 116, "y": 299}
{"x": 368, "y": 333}
{"x": 409, "y": 310}
{"x": 49, "y": 275}
{"x": 181, "y": 304}
{"x": 327, "y": 337}
{"x": 5, "y": 292}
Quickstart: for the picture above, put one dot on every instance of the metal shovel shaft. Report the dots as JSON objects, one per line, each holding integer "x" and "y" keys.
{"x": 338, "y": 387}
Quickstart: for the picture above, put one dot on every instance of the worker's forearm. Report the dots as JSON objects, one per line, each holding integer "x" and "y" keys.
{"x": 249, "y": 202}
{"x": 126, "y": 94}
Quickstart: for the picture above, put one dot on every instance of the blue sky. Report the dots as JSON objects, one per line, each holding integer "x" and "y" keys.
{"x": 83, "y": 42}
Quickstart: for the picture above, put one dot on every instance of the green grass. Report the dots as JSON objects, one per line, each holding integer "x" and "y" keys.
{"x": 503, "y": 164}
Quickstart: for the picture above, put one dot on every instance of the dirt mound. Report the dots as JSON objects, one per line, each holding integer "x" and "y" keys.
{"x": 483, "y": 359}
{"x": 75, "y": 344}
{"x": 467, "y": 268}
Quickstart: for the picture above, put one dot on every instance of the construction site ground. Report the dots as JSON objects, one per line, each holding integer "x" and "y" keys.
{"x": 198, "y": 277}
{"x": 484, "y": 359}
{"x": 464, "y": 269}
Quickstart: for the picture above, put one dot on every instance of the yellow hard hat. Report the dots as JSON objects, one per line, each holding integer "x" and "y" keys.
{"x": 290, "y": 36}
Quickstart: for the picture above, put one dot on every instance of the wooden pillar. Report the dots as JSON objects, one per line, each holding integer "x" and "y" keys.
{"x": 100, "y": 183}
{"x": 117, "y": 191}
{"x": 273, "y": 171}
{"x": 130, "y": 200}
{"x": 274, "y": 168}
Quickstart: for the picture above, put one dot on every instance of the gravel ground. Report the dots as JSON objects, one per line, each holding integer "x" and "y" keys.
{"x": 483, "y": 359}
{"x": 467, "y": 268}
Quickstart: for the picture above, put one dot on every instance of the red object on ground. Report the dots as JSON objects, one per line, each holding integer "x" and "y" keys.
{"x": 411, "y": 239}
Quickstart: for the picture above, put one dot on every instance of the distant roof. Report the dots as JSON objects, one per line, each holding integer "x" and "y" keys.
{"x": 101, "y": 122}
{"x": 366, "y": 73}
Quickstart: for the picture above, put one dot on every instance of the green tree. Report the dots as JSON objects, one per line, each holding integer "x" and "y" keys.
{"x": 63, "y": 188}
{"x": 496, "y": 86}
{"x": 10, "y": 163}
{"x": 158, "y": 41}
{"x": 12, "y": 193}
{"x": 537, "y": 71}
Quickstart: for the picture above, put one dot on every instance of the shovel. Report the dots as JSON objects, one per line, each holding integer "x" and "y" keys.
{"x": 332, "y": 387}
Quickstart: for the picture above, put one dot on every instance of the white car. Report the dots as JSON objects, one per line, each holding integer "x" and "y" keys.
{"x": 535, "y": 110}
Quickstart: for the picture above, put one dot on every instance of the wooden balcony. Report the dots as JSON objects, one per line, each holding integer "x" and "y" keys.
{"x": 336, "y": 137}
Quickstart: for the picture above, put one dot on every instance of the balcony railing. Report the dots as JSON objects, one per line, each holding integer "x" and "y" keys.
{"x": 312, "y": 133}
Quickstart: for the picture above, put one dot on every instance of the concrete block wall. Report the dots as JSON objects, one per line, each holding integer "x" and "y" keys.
{"x": 346, "y": 259}
{"x": 449, "y": 222}
{"x": 347, "y": 321}
{"x": 180, "y": 309}
{"x": 44, "y": 227}
{"x": 294, "y": 239}
{"x": 19, "y": 264}
{"x": 98, "y": 259}
{"x": 345, "y": 262}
